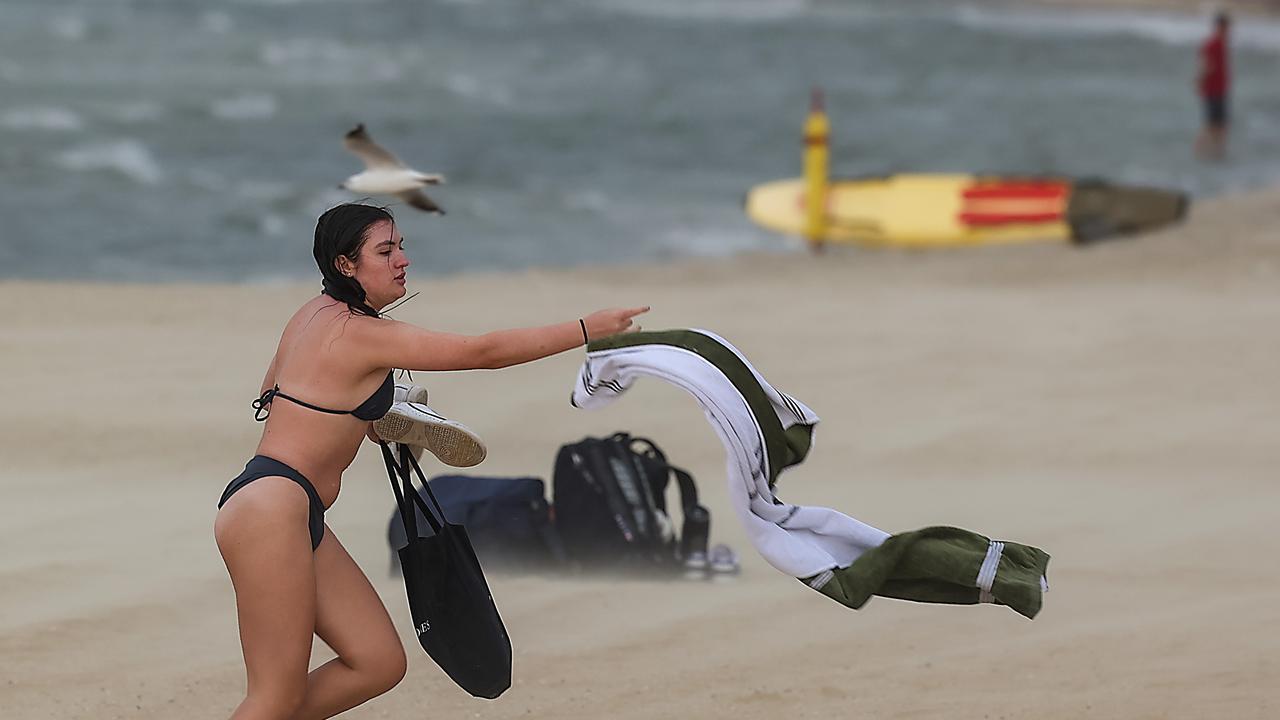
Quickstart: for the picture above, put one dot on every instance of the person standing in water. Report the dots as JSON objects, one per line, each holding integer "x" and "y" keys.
{"x": 1214, "y": 84}
{"x": 329, "y": 379}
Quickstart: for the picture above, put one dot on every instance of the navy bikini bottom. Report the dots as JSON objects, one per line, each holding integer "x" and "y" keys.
{"x": 261, "y": 466}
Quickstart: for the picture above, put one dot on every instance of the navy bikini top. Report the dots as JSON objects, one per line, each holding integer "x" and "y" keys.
{"x": 375, "y": 407}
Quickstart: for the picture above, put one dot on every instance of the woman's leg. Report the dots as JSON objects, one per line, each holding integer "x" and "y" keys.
{"x": 263, "y": 536}
{"x": 351, "y": 619}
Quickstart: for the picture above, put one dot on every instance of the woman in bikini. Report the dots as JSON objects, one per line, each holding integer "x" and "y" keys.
{"x": 291, "y": 575}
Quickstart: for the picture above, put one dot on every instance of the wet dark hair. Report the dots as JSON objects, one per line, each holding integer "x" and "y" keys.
{"x": 342, "y": 230}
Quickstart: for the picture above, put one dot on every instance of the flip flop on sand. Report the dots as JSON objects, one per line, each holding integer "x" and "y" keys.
{"x": 723, "y": 561}
{"x": 415, "y": 424}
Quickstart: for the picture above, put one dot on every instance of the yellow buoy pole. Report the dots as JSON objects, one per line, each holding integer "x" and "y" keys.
{"x": 816, "y": 155}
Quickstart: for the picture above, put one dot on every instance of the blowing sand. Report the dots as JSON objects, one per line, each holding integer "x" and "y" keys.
{"x": 1115, "y": 405}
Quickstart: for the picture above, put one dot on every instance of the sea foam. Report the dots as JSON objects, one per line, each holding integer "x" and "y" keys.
{"x": 128, "y": 157}
{"x": 41, "y": 118}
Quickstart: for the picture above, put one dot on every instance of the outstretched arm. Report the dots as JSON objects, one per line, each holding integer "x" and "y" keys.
{"x": 401, "y": 345}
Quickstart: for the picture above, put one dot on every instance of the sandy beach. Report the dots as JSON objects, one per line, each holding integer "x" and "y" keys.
{"x": 1114, "y": 405}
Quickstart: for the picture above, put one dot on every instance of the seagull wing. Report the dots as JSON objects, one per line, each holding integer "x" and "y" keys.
{"x": 373, "y": 154}
{"x": 419, "y": 199}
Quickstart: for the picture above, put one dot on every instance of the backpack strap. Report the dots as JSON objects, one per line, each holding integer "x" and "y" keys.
{"x": 688, "y": 491}
{"x": 684, "y": 480}
{"x": 651, "y": 448}
{"x": 695, "y": 518}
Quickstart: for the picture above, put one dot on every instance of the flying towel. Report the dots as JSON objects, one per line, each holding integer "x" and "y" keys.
{"x": 765, "y": 431}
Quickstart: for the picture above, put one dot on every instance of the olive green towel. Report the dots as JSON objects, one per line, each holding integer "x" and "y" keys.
{"x": 942, "y": 565}
{"x": 766, "y": 431}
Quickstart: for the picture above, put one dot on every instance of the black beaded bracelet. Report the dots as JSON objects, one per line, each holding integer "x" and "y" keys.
{"x": 583, "y": 324}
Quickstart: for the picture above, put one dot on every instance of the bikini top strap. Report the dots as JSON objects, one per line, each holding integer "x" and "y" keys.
{"x": 262, "y": 406}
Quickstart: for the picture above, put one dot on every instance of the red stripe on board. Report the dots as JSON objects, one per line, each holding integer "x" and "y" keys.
{"x": 1016, "y": 191}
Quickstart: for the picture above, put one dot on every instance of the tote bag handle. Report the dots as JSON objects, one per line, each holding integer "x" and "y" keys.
{"x": 406, "y": 498}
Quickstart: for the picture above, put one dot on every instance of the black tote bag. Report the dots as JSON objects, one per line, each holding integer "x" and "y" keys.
{"x": 453, "y": 612}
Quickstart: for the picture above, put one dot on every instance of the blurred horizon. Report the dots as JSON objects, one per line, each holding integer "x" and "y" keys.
{"x": 167, "y": 141}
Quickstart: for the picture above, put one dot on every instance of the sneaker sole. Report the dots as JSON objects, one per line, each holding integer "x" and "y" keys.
{"x": 452, "y": 443}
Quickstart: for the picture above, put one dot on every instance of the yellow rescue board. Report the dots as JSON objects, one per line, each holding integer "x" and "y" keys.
{"x": 925, "y": 210}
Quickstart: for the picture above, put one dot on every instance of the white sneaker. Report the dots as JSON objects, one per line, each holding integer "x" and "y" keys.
{"x": 409, "y": 393}
{"x": 415, "y": 424}
{"x": 404, "y": 392}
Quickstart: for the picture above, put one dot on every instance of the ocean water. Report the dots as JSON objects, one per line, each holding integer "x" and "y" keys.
{"x": 158, "y": 140}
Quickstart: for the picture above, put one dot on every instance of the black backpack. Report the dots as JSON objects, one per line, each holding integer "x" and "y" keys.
{"x": 508, "y": 519}
{"x": 611, "y": 510}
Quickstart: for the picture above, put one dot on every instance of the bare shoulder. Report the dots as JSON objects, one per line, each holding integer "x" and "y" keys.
{"x": 320, "y": 311}
{"x": 371, "y": 337}
{"x": 322, "y": 317}
{"x": 360, "y": 337}
{"x": 323, "y": 324}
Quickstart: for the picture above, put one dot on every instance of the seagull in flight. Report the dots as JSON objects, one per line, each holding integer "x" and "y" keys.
{"x": 384, "y": 174}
